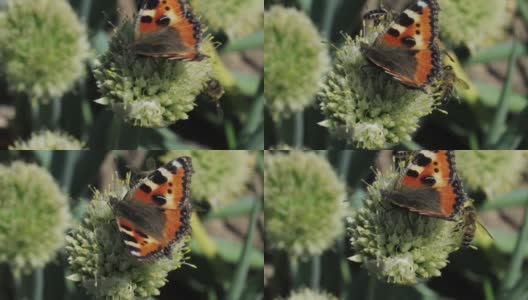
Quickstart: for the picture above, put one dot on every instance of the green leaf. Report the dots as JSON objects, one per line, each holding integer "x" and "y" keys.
{"x": 489, "y": 95}
{"x": 252, "y": 41}
{"x": 515, "y": 198}
{"x": 241, "y": 207}
{"x": 498, "y": 52}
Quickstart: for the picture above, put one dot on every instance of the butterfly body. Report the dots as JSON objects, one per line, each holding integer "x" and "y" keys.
{"x": 430, "y": 186}
{"x": 169, "y": 29}
{"x": 155, "y": 213}
{"x": 407, "y": 50}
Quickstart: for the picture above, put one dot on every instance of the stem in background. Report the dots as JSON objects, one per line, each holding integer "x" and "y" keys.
{"x": 86, "y": 9}
{"x": 344, "y": 162}
{"x": 328, "y": 18}
{"x": 124, "y": 136}
{"x": 499, "y": 122}
{"x": 316, "y": 273}
{"x": 241, "y": 271}
{"x": 38, "y": 285}
{"x": 298, "y": 130}
{"x": 515, "y": 267}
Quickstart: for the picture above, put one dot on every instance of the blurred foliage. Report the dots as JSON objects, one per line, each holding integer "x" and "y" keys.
{"x": 495, "y": 270}
{"x": 494, "y": 116}
{"x": 228, "y": 113}
{"x": 232, "y": 270}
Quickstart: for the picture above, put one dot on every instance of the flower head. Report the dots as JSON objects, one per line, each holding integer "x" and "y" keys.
{"x": 303, "y": 203}
{"x": 295, "y": 60}
{"x": 396, "y": 245}
{"x": 43, "y": 47}
{"x": 34, "y": 216}
{"x": 476, "y": 23}
{"x": 236, "y": 18}
{"x": 48, "y": 140}
{"x": 493, "y": 171}
{"x": 147, "y": 91}
{"x": 220, "y": 176}
{"x": 100, "y": 261}
{"x": 307, "y": 294}
{"x": 365, "y": 106}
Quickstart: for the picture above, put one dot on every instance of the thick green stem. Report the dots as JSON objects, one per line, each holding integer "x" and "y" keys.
{"x": 499, "y": 122}
{"x": 239, "y": 280}
{"x": 316, "y": 273}
{"x": 298, "y": 130}
{"x": 515, "y": 268}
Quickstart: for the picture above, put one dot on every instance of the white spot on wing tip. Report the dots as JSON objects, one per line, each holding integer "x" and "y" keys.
{"x": 135, "y": 253}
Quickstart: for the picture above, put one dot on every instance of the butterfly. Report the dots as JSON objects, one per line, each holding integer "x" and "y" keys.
{"x": 155, "y": 213}
{"x": 168, "y": 28}
{"x": 407, "y": 50}
{"x": 430, "y": 186}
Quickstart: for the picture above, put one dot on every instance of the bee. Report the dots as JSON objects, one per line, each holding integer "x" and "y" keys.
{"x": 469, "y": 216}
{"x": 446, "y": 84}
{"x": 469, "y": 225}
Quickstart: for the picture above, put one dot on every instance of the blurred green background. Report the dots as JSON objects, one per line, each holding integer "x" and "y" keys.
{"x": 496, "y": 270}
{"x": 226, "y": 249}
{"x": 492, "y": 115}
{"x": 235, "y": 121}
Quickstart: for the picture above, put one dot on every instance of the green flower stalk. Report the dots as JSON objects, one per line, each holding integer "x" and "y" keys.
{"x": 304, "y": 203}
{"x": 492, "y": 171}
{"x": 477, "y": 23}
{"x": 43, "y": 48}
{"x": 220, "y": 176}
{"x": 295, "y": 60}
{"x": 236, "y": 18}
{"x": 147, "y": 91}
{"x": 100, "y": 261}
{"x": 48, "y": 140}
{"x": 34, "y": 217}
{"x": 396, "y": 245}
{"x": 367, "y": 107}
{"x": 307, "y": 294}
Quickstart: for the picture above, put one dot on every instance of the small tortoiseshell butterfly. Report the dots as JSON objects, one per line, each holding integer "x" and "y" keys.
{"x": 155, "y": 213}
{"x": 407, "y": 50}
{"x": 430, "y": 186}
{"x": 168, "y": 28}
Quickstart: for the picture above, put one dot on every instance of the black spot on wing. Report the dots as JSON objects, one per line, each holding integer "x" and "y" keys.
{"x": 421, "y": 160}
{"x": 157, "y": 177}
{"x": 393, "y": 32}
{"x": 163, "y": 21}
{"x": 159, "y": 200}
{"x": 428, "y": 180}
{"x": 412, "y": 173}
{"x": 142, "y": 234}
{"x": 408, "y": 41}
{"x": 146, "y": 19}
{"x": 417, "y": 8}
{"x": 128, "y": 237}
{"x": 150, "y": 4}
{"x": 145, "y": 188}
{"x": 404, "y": 20}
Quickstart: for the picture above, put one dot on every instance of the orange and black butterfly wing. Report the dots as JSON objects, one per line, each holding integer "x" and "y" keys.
{"x": 168, "y": 29}
{"x": 407, "y": 50}
{"x": 430, "y": 186}
{"x": 156, "y": 213}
